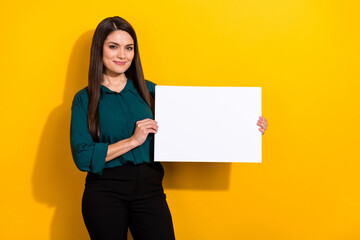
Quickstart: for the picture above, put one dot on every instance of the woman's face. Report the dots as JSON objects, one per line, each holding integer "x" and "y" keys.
{"x": 118, "y": 52}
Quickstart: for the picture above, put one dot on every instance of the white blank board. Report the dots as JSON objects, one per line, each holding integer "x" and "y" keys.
{"x": 207, "y": 124}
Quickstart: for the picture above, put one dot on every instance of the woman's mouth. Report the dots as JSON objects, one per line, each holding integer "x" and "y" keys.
{"x": 119, "y": 63}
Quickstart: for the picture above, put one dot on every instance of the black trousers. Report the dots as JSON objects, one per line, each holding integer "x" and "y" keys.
{"x": 130, "y": 196}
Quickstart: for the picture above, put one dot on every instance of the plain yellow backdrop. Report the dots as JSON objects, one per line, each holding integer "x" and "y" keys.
{"x": 305, "y": 55}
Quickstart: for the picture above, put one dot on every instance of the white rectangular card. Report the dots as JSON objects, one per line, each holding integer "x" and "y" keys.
{"x": 207, "y": 124}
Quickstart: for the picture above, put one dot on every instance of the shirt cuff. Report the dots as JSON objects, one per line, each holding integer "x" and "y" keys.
{"x": 99, "y": 155}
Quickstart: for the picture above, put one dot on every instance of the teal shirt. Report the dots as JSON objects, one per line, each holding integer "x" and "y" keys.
{"x": 118, "y": 114}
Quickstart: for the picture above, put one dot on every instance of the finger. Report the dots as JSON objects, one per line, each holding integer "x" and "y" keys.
{"x": 149, "y": 125}
{"x": 262, "y": 125}
{"x": 264, "y": 120}
{"x": 265, "y": 123}
{"x": 154, "y": 128}
{"x": 262, "y": 131}
{"x": 261, "y": 118}
{"x": 151, "y": 131}
{"x": 145, "y": 123}
{"x": 146, "y": 120}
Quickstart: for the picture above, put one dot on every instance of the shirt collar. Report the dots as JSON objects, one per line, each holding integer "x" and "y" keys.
{"x": 129, "y": 87}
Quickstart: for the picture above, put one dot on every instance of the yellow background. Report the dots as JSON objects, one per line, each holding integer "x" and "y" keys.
{"x": 304, "y": 54}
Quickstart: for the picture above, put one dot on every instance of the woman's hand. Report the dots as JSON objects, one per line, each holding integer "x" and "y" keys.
{"x": 142, "y": 130}
{"x": 262, "y": 123}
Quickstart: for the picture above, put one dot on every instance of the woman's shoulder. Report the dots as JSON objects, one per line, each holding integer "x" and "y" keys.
{"x": 150, "y": 85}
{"x": 81, "y": 97}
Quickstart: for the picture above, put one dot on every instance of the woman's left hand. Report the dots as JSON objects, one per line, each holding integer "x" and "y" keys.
{"x": 262, "y": 123}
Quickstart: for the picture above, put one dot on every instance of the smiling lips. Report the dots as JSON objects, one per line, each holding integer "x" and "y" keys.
{"x": 119, "y": 63}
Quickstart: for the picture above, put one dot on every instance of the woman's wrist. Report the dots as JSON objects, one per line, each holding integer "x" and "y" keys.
{"x": 133, "y": 143}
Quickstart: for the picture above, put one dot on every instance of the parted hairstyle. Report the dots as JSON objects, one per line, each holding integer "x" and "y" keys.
{"x": 96, "y": 70}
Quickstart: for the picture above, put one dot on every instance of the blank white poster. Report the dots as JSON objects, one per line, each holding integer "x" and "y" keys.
{"x": 207, "y": 124}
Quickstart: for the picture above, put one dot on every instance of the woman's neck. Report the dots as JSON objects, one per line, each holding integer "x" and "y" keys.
{"x": 114, "y": 80}
{"x": 114, "y": 83}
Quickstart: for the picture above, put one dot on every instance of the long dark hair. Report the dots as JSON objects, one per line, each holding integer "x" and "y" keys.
{"x": 96, "y": 70}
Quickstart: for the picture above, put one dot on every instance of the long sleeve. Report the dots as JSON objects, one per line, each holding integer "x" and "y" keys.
{"x": 88, "y": 155}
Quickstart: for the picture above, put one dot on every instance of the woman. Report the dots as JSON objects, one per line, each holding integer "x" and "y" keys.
{"x": 111, "y": 135}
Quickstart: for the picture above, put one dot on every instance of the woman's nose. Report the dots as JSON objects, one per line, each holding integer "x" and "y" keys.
{"x": 121, "y": 54}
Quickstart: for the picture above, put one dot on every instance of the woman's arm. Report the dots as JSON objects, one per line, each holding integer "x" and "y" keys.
{"x": 142, "y": 130}
{"x": 88, "y": 155}
{"x": 91, "y": 156}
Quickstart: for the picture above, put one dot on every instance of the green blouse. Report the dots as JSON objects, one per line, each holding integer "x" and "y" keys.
{"x": 118, "y": 113}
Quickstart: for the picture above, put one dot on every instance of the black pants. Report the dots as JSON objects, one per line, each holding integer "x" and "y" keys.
{"x": 129, "y": 196}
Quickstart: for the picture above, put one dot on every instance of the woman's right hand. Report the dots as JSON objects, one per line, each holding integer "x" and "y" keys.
{"x": 142, "y": 130}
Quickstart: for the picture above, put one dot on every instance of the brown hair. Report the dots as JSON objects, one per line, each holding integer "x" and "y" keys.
{"x": 96, "y": 70}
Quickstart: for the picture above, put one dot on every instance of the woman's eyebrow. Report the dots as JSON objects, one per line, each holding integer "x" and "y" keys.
{"x": 113, "y": 43}
{"x": 119, "y": 44}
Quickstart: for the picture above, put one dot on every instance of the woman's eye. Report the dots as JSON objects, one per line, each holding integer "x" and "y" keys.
{"x": 129, "y": 48}
{"x": 112, "y": 46}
